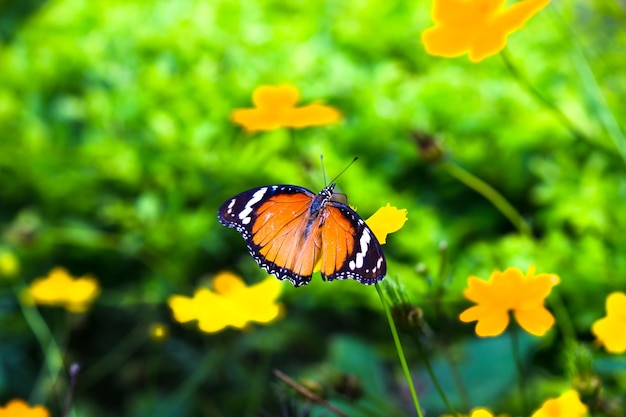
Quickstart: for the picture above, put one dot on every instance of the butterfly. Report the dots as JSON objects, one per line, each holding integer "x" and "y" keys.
{"x": 289, "y": 230}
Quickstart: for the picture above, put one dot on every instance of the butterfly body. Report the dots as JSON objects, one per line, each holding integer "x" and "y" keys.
{"x": 289, "y": 230}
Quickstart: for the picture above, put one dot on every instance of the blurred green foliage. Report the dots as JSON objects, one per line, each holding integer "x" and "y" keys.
{"x": 116, "y": 150}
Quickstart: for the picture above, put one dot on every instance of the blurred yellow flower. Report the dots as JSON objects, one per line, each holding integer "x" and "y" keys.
{"x": 477, "y": 27}
{"x": 275, "y": 107}
{"x": 386, "y": 220}
{"x": 479, "y": 412}
{"x": 510, "y": 291}
{"x": 232, "y": 303}
{"x": 611, "y": 329}
{"x": 20, "y": 408}
{"x": 158, "y": 332}
{"x": 9, "y": 264}
{"x": 59, "y": 288}
{"x": 567, "y": 405}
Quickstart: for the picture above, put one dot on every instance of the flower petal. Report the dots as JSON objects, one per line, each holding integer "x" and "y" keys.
{"x": 20, "y": 408}
{"x": 311, "y": 115}
{"x": 256, "y": 119}
{"x": 226, "y": 283}
{"x": 535, "y": 290}
{"x": 616, "y": 304}
{"x": 611, "y": 333}
{"x": 566, "y": 405}
{"x": 490, "y": 322}
{"x": 269, "y": 96}
{"x": 478, "y": 290}
{"x": 481, "y": 412}
{"x": 493, "y": 37}
{"x": 610, "y": 330}
{"x": 386, "y": 220}
{"x": 536, "y": 321}
{"x": 182, "y": 308}
{"x": 447, "y": 42}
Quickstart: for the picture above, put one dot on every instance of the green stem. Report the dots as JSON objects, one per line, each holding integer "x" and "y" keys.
{"x": 490, "y": 193}
{"x": 456, "y": 376}
{"x": 563, "y": 318}
{"x": 432, "y": 375}
{"x": 594, "y": 92}
{"x": 51, "y": 352}
{"x": 115, "y": 357}
{"x": 527, "y": 85}
{"x": 396, "y": 340}
{"x": 520, "y": 368}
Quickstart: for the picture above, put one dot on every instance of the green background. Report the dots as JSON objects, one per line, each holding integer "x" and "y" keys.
{"x": 116, "y": 150}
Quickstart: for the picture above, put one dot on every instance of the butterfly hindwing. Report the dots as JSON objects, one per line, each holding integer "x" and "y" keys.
{"x": 271, "y": 220}
{"x": 350, "y": 248}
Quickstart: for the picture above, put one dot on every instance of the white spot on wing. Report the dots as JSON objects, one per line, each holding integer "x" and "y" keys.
{"x": 364, "y": 243}
{"x": 256, "y": 197}
{"x": 230, "y": 206}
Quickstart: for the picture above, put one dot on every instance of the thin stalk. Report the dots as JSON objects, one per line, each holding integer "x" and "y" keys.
{"x": 563, "y": 319}
{"x": 520, "y": 368}
{"x": 490, "y": 193}
{"x": 396, "y": 340}
{"x": 456, "y": 376}
{"x": 309, "y": 394}
{"x": 51, "y": 351}
{"x": 534, "y": 92}
{"x": 594, "y": 92}
{"x": 433, "y": 377}
{"x": 115, "y": 357}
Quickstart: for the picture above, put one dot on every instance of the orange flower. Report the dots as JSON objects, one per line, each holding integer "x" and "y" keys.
{"x": 477, "y": 27}
{"x": 510, "y": 291}
{"x": 231, "y": 304}
{"x": 567, "y": 405}
{"x": 19, "y": 408}
{"x": 610, "y": 330}
{"x": 275, "y": 107}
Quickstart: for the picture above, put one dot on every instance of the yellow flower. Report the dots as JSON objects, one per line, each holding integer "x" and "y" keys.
{"x": 59, "y": 288}
{"x": 567, "y": 405}
{"x": 610, "y": 330}
{"x": 9, "y": 264}
{"x": 510, "y": 291}
{"x": 232, "y": 304}
{"x": 158, "y": 332}
{"x": 477, "y": 412}
{"x": 19, "y": 408}
{"x": 477, "y": 27}
{"x": 386, "y": 220}
{"x": 275, "y": 107}
{"x": 481, "y": 412}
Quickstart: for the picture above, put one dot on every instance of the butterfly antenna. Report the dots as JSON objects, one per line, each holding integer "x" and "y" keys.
{"x": 323, "y": 170}
{"x": 345, "y": 169}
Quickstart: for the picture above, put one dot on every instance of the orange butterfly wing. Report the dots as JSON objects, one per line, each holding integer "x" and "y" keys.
{"x": 280, "y": 233}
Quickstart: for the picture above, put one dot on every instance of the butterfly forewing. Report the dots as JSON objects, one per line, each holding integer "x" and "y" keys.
{"x": 272, "y": 220}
